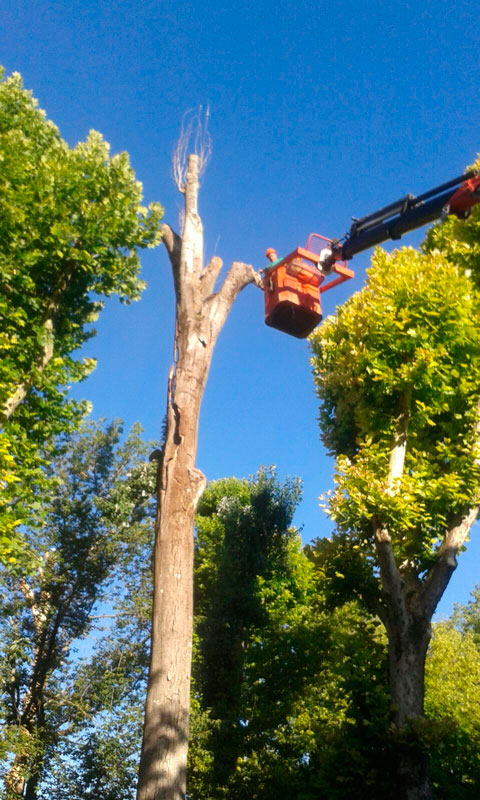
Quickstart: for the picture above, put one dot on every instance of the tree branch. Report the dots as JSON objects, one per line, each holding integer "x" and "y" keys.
{"x": 392, "y": 584}
{"x": 209, "y": 276}
{"x": 399, "y": 449}
{"x": 173, "y": 244}
{"x": 22, "y": 389}
{"x": 239, "y": 275}
{"x": 39, "y": 617}
{"x": 51, "y": 311}
{"x": 438, "y": 577}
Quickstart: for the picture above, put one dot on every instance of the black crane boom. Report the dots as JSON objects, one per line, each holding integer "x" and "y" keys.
{"x": 407, "y": 214}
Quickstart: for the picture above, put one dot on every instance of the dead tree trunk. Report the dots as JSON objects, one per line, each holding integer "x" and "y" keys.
{"x": 200, "y": 315}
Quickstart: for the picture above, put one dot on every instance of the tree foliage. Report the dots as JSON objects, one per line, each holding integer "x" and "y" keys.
{"x": 397, "y": 374}
{"x": 71, "y": 222}
{"x": 91, "y": 530}
{"x": 467, "y": 617}
{"x": 290, "y": 695}
{"x": 284, "y": 684}
{"x": 407, "y": 344}
{"x": 452, "y": 702}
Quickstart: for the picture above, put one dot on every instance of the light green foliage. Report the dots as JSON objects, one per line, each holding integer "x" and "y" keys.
{"x": 452, "y": 702}
{"x": 458, "y": 240}
{"x": 467, "y": 617}
{"x": 453, "y": 678}
{"x": 398, "y": 376}
{"x": 94, "y": 528}
{"x": 407, "y": 344}
{"x": 71, "y": 222}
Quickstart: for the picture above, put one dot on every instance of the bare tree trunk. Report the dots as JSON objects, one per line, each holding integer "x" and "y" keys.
{"x": 200, "y": 315}
{"x": 163, "y": 764}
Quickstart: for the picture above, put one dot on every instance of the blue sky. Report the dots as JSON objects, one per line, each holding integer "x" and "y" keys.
{"x": 319, "y": 111}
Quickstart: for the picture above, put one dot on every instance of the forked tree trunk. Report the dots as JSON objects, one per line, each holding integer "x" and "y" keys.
{"x": 406, "y": 609}
{"x": 200, "y": 315}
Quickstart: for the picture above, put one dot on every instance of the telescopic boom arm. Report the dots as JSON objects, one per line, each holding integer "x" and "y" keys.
{"x": 407, "y": 214}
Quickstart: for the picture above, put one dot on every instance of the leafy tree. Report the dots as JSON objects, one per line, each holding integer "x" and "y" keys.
{"x": 91, "y": 526}
{"x": 250, "y": 523}
{"x": 71, "y": 222}
{"x": 452, "y": 702}
{"x": 289, "y": 693}
{"x": 99, "y": 756}
{"x": 458, "y": 240}
{"x": 293, "y": 669}
{"x": 467, "y": 617}
{"x": 286, "y": 684}
{"x": 397, "y": 373}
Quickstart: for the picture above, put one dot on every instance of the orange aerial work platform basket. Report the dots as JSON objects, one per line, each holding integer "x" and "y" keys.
{"x": 293, "y": 285}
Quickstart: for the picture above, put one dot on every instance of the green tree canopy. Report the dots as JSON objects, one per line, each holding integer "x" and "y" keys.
{"x": 283, "y": 683}
{"x": 467, "y": 617}
{"x": 397, "y": 372}
{"x": 402, "y": 356}
{"x": 94, "y": 527}
{"x": 71, "y": 222}
{"x": 452, "y": 703}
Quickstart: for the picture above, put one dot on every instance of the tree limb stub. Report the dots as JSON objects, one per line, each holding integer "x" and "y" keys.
{"x": 192, "y": 185}
{"x": 439, "y": 576}
{"x": 237, "y": 278}
{"x": 209, "y": 276}
{"x": 191, "y": 260}
{"x": 173, "y": 244}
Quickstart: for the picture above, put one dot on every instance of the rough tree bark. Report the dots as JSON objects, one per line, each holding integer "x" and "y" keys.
{"x": 406, "y": 609}
{"x": 200, "y": 315}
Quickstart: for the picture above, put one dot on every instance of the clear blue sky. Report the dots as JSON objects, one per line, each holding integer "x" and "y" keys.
{"x": 319, "y": 111}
